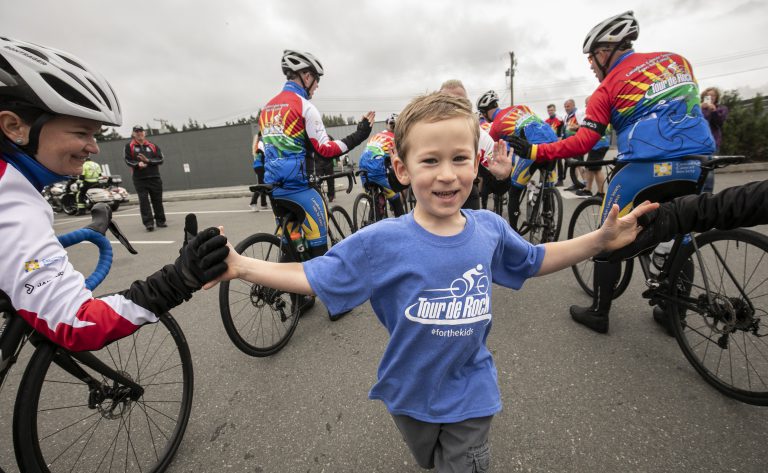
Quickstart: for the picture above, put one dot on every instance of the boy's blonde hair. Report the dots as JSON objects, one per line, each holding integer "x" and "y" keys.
{"x": 433, "y": 108}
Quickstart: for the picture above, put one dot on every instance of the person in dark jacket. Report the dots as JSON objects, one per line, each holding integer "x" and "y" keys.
{"x": 144, "y": 158}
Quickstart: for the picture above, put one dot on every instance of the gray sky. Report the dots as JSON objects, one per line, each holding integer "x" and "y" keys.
{"x": 219, "y": 60}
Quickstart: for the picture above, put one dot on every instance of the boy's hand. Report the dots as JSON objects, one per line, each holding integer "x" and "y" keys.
{"x": 500, "y": 164}
{"x": 618, "y": 232}
{"x": 232, "y": 268}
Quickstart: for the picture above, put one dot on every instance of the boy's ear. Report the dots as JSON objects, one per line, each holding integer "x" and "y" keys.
{"x": 401, "y": 171}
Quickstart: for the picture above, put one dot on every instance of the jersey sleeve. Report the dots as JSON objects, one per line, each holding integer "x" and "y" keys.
{"x": 317, "y": 134}
{"x": 341, "y": 277}
{"x": 485, "y": 147}
{"x": 45, "y": 289}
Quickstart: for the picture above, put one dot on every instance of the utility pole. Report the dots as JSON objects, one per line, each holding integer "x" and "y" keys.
{"x": 511, "y": 75}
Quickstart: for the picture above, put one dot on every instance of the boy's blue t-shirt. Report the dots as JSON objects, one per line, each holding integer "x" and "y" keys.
{"x": 433, "y": 295}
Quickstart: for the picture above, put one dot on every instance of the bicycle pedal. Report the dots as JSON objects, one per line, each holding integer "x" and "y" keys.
{"x": 652, "y": 284}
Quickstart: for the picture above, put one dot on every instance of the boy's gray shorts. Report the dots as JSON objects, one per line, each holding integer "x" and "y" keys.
{"x": 461, "y": 447}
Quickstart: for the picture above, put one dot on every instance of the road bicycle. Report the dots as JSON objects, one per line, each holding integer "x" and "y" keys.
{"x": 370, "y": 205}
{"x": 542, "y": 206}
{"x": 261, "y": 320}
{"x": 122, "y": 408}
{"x": 713, "y": 287}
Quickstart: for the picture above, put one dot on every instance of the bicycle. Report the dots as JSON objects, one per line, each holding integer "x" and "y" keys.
{"x": 124, "y": 407}
{"x": 710, "y": 285}
{"x": 370, "y": 205}
{"x": 260, "y": 320}
{"x": 543, "y": 207}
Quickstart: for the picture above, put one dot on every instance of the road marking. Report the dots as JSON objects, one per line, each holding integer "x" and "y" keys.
{"x": 115, "y": 215}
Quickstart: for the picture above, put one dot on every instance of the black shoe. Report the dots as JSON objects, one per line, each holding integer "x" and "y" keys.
{"x": 305, "y": 303}
{"x": 590, "y": 318}
{"x": 583, "y": 193}
{"x": 335, "y": 317}
{"x": 162, "y": 224}
{"x": 660, "y": 316}
{"x": 150, "y": 228}
{"x": 575, "y": 187}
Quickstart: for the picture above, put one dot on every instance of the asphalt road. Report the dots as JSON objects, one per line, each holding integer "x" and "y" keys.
{"x": 574, "y": 401}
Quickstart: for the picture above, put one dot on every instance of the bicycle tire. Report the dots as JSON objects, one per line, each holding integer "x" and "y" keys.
{"x": 542, "y": 227}
{"x": 362, "y": 211}
{"x": 713, "y": 336}
{"x": 49, "y": 398}
{"x": 340, "y": 226}
{"x": 69, "y": 204}
{"x": 259, "y": 320}
{"x": 585, "y": 219}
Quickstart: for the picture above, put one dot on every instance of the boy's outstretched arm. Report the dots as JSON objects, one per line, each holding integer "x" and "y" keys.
{"x": 615, "y": 233}
{"x": 288, "y": 277}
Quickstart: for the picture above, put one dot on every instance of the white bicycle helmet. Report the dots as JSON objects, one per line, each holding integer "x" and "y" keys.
{"x": 297, "y": 61}
{"x": 487, "y": 100}
{"x": 391, "y": 119}
{"x": 56, "y": 82}
{"x": 614, "y": 30}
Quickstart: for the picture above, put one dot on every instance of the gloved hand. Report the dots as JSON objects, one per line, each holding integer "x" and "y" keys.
{"x": 359, "y": 135}
{"x": 201, "y": 257}
{"x": 521, "y": 146}
{"x": 658, "y": 226}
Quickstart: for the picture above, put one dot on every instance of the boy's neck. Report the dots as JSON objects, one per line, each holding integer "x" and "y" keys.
{"x": 440, "y": 226}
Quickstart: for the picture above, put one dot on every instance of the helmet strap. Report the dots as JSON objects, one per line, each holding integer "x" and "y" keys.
{"x": 304, "y": 84}
{"x": 604, "y": 67}
{"x": 34, "y": 134}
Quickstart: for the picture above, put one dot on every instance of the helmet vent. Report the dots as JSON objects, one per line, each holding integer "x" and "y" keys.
{"x": 74, "y": 63}
{"x": 35, "y": 52}
{"x": 66, "y": 91}
{"x": 102, "y": 94}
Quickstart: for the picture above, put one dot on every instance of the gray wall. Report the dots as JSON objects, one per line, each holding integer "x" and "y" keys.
{"x": 217, "y": 157}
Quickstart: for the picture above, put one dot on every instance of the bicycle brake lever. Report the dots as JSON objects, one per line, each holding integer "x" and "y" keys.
{"x": 115, "y": 230}
{"x": 101, "y": 215}
{"x": 350, "y": 179}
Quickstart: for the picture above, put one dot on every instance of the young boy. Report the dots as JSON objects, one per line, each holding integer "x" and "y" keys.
{"x": 427, "y": 277}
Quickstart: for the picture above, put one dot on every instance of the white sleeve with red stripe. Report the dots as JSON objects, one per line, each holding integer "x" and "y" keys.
{"x": 313, "y": 123}
{"x": 43, "y": 286}
{"x": 485, "y": 147}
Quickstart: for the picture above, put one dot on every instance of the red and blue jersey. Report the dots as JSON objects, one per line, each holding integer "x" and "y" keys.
{"x": 518, "y": 118}
{"x": 652, "y": 101}
{"x": 289, "y": 124}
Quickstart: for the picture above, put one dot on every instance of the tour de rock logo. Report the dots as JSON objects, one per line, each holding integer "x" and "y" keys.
{"x": 467, "y": 300}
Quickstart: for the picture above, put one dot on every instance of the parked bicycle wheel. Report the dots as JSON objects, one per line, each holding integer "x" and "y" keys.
{"x": 585, "y": 219}
{"x": 719, "y": 313}
{"x": 60, "y": 423}
{"x": 362, "y": 211}
{"x": 545, "y": 218}
{"x": 259, "y": 320}
{"x": 340, "y": 225}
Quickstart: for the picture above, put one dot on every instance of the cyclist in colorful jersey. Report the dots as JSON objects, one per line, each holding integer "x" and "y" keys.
{"x": 652, "y": 101}
{"x": 519, "y": 120}
{"x": 51, "y": 107}
{"x": 290, "y": 125}
{"x": 377, "y": 158}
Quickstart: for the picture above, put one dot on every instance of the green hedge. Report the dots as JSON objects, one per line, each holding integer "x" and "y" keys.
{"x": 746, "y": 129}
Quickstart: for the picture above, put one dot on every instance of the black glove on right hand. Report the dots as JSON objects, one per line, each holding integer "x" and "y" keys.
{"x": 521, "y": 146}
{"x": 359, "y": 135}
{"x": 202, "y": 256}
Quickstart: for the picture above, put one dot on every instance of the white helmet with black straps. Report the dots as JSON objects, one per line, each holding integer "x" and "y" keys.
{"x": 487, "y": 100}
{"x": 296, "y": 61}
{"x": 614, "y": 30}
{"x": 56, "y": 82}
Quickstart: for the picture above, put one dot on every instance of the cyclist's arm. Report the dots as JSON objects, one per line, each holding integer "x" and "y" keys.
{"x": 129, "y": 160}
{"x": 157, "y": 157}
{"x": 613, "y": 234}
{"x": 317, "y": 134}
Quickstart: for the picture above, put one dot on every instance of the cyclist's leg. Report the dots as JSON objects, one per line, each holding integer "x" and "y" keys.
{"x": 521, "y": 175}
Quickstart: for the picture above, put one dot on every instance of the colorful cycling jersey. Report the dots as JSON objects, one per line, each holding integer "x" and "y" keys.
{"x": 289, "y": 124}
{"x": 604, "y": 141}
{"x": 377, "y": 150}
{"x": 572, "y": 122}
{"x": 652, "y": 101}
{"x": 556, "y": 123}
{"x": 513, "y": 120}
{"x": 44, "y": 288}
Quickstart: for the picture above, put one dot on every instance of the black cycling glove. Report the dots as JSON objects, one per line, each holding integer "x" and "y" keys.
{"x": 521, "y": 146}
{"x": 358, "y": 136}
{"x": 740, "y": 206}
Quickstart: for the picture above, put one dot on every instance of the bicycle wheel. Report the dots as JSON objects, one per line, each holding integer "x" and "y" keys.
{"x": 573, "y": 172}
{"x": 61, "y": 423}
{"x": 340, "y": 225}
{"x": 585, "y": 219}
{"x": 719, "y": 313}
{"x": 362, "y": 211}
{"x": 545, "y": 218}
{"x": 259, "y": 320}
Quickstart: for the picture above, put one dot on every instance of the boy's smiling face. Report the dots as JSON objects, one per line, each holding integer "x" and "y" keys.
{"x": 440, "y": 166}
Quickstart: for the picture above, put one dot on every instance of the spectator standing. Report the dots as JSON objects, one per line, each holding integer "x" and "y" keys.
{"x": 557, "y": 125}
{"x": 573, "y": 119}
{"x": 258, "y": 168}
{"x": 715, "y": 114}
{"x": 144, "y": 159}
